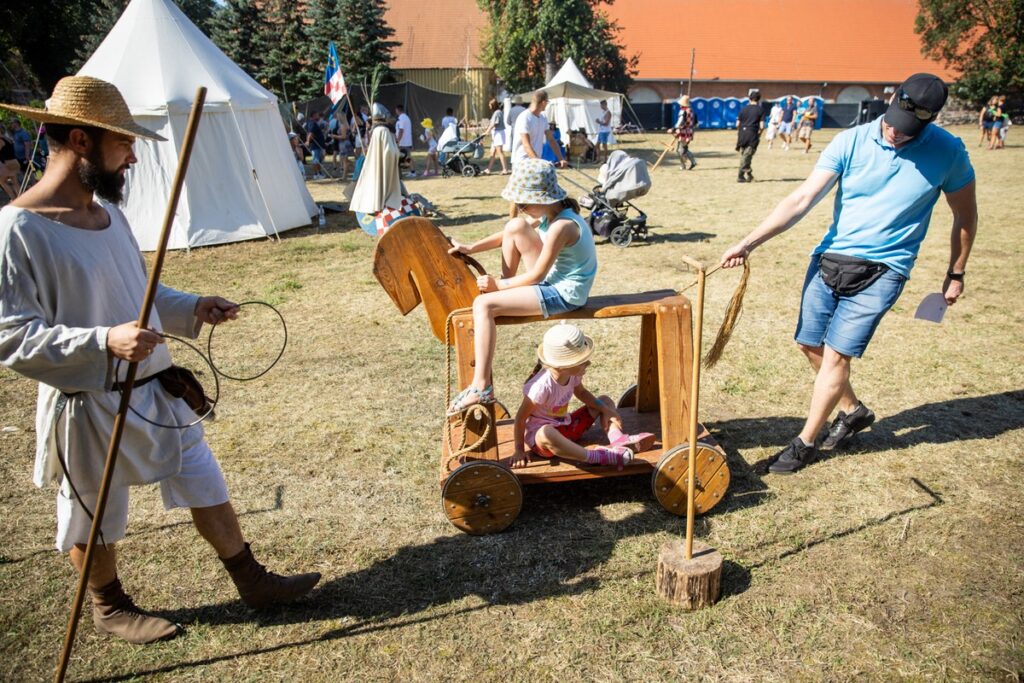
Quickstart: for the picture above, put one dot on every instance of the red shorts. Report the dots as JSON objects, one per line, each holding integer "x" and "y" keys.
{"x": 580, "y": 421}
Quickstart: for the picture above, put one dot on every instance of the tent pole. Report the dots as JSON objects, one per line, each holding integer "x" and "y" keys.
{"x": 255, "y": 176}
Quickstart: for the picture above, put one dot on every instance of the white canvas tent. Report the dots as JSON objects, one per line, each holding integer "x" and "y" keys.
{"x": 242, "y": 180}
{"x": 575, "y": 104}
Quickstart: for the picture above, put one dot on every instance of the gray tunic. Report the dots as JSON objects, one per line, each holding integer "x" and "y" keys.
{"x": 61, "y": 289}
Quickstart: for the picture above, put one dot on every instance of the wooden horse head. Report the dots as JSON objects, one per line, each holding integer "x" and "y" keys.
{"x": 412, "y": 264}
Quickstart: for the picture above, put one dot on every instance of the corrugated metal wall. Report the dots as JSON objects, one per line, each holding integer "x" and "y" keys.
{"x": 477, "y": 85}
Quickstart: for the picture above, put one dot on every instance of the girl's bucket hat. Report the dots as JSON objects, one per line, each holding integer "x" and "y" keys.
{"x": 533, "y": 181}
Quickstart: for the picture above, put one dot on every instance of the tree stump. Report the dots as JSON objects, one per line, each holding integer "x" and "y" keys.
{"x": 689, "y": 584}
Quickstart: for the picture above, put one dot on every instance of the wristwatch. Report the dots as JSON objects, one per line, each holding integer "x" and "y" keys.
{"x": 959, "y": 277}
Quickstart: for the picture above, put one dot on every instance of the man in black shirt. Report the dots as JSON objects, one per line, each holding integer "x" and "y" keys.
{"x": 749, "y": 124}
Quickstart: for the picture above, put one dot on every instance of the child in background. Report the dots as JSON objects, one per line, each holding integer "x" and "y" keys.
{"x": 544, "y": 424}
{"x": 431, "y": 142}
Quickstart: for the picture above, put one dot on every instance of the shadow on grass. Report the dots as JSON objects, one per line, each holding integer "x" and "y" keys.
{"x": 936, "y": 500}
{"x": 975, "y": 417}
{"x": 675, "y": 237}
{"x": 778, "y": 180}
{"x": 462, "y": 221}
{"x": 278, "y": 504}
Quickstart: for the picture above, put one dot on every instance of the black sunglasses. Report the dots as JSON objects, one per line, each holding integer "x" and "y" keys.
{"x": 906, "y": 104}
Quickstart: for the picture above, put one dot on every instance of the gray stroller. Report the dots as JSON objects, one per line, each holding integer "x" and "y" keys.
{"x": 620, "y": 179}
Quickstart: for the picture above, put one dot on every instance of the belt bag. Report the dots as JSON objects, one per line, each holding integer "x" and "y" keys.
{"x": 181, "y": 383}
{"x": 848, "y": 275}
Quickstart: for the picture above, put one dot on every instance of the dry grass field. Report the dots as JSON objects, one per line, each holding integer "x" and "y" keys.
{"x": 899, "y": 558}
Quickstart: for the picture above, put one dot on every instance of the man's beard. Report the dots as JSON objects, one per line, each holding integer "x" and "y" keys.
{"x": 108, "y": 185}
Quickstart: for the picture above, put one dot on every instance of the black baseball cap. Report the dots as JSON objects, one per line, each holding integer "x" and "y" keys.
{"x": 916, "y": 103}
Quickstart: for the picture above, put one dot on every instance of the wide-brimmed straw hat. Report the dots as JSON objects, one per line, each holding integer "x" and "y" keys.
{"x": 86, "y": 101}
{"x": 427, "y": 123}
{"x": 533, "y": 181}
{"x": 684, "y": 101}
{"x": 565, "y": 346}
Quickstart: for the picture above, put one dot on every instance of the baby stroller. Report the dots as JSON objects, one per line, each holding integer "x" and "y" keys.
{"x": 459, "y": 156}
{"x": 620, "y": 179}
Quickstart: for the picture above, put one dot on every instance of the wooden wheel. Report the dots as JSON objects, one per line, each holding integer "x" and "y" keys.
{"x": 669, "y": 479}
{"x": 481, "y": 497}
{"x": 500, "y": 411}
{"x": 628, "y": 398}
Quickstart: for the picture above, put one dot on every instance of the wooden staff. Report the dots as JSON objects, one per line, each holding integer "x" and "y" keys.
{"x": 693, "y": 60}
{"x": 668, "y": 148}
{"x": 698, "y": 334}
{"x": 129, "y": 382}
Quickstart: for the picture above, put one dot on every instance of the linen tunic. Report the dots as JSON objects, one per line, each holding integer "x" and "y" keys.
{"x": 61, "y": 289}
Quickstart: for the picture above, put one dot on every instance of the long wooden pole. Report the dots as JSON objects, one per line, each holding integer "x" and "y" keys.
{"x": 693, "y": 61}
{"x": 698, "y": 334}
{"x": 129, "y": 382}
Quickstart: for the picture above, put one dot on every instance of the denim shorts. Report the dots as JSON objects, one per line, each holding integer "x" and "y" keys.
{"x": 844, "y": 323}
{"x": 551, "y": 302}
{"x": 602, "y": 138}
{"x": 318, "y": 155}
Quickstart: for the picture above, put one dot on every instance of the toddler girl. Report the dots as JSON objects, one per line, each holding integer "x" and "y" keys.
{"x": 544, "y": 423}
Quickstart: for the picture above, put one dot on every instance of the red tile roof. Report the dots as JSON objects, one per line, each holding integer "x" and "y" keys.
{"x": 859, "y": 41}
{"x": 775, "y": 40}
{"x": 436, "y": 34}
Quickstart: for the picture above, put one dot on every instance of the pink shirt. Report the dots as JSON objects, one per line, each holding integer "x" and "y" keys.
{"x": 551, "y": 402}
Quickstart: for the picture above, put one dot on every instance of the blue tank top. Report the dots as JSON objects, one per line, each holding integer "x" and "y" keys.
{"x": 575, "y": 267}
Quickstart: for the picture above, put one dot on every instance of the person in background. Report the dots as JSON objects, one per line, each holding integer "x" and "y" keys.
{"x": 604, "y": 131}
{"x": 807, "y": 120}
{"x": 997, "y": 123}
{"x": 450, "y": 120}
{"x": 789, "y": 108}
{"x": 683, "y": 132}
{"x": 498, "y": 134}
{"x": 8, "y": 165}
{"x": 432, "y": 167}
{"x": 22, "y": 143}
{"x": 514, "y": 111}
{"x": 548, "y": 153}
{"x": 341, "y": 138}
{"x": 300, "y": 158}
{"x": 403, "y": 134}
{"x": 1006, "y": 122}
{"x": 532, "y": 130}
{"x": 749, "y": 124}
{"x": 774, "y": 121}
{"x": 316, "y": 141}
{"x": 985, "y": 119}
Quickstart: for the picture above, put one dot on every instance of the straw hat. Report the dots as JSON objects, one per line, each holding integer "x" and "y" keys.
{"x": 684, "y": 101}
{"x": 565, "y": 346}
{"x": 86, "y": 101}
{"x": 427, "y": 122}
{"x": 533, "y": 181}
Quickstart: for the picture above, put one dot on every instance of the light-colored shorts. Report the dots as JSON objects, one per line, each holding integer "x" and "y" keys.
{"x": 199, "y": 484}
{"x": 786, "y": 128}
{"x": 805, "y": 132}
{"x": 498, "y": 138}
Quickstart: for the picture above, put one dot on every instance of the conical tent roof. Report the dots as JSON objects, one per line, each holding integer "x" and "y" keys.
{"x": 570, "y": 73}
{"x": 242, "y": 181}
{"x": 156, "y": 56}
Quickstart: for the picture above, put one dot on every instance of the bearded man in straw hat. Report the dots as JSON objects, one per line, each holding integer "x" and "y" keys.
{"x": 72, "y": 282}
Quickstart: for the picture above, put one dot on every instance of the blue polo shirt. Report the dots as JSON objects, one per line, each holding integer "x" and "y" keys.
{"x": 886, "y": 195}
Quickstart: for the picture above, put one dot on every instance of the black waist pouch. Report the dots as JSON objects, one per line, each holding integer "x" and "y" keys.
{"x": 848, "y": 275}
{"x": 181, "y": 383}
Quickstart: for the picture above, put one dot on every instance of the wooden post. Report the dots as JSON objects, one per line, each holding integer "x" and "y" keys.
{"x": 686, "y": 580}
{"x": 693, "y": 60}
{"x": 129, "y": 382}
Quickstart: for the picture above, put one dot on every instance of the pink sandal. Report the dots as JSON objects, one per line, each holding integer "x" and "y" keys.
{"x": 638, "y": 443}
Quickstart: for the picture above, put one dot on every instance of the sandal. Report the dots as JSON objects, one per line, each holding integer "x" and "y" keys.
{"x": 461, "y": 402}
{"x": 638, "y": 443}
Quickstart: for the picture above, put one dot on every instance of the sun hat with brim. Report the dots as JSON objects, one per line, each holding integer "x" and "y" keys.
{"x": 684, "y": 101}
{"x": 86, "y": 101}
{"x": 427, "y": 123}
{"x": 533, "y": 181}
{"x": 565, "y": 346}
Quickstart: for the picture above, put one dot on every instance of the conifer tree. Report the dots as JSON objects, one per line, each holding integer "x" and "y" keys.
{"x": 287, "y": 70}
{"x": 239, "y": 30}
{"x": 362, "y": 37}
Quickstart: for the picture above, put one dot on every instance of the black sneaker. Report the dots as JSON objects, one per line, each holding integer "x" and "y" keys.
{"x": 792, "y": 457}
{"x": 845, "y": 426}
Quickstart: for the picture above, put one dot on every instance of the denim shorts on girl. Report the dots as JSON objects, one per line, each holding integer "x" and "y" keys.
{"x": 551, "y": 302}
{"x": 844, "y": 323}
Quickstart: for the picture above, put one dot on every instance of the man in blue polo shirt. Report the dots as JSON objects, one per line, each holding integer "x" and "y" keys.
{"x": 890, "y": 173}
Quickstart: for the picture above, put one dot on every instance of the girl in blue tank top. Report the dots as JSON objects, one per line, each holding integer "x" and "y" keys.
{"x": 556, "y": 249}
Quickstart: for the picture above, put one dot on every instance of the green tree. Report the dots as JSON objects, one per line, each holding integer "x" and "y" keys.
{"x": 287, "y": 70}
{"x": 981, "y": 39}
{"x": 527, "y": 40}
{"x": 361, "y": 35}
{"x": 240, "y": 29}
{"x": 46, "y": 46}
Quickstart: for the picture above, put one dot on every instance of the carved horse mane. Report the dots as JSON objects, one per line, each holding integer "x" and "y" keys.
{"x": 412, "y": 264}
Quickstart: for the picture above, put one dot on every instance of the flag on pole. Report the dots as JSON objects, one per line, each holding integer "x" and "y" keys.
{"x": 334, "y": 81}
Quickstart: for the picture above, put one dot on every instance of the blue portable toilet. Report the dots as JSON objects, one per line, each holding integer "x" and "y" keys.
{"x": 732, "y": 111}
{"x": 716, "y": 112}
{"x": 701, "y": 110}
{"x": 673, "y": 112}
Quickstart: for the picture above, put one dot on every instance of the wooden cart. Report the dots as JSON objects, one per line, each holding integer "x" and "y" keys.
{"x": 480, "y": 493}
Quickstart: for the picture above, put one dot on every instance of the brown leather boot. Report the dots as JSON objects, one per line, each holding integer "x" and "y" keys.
{"x": 114, "y": 612}
{"x": 259, "y": 588}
